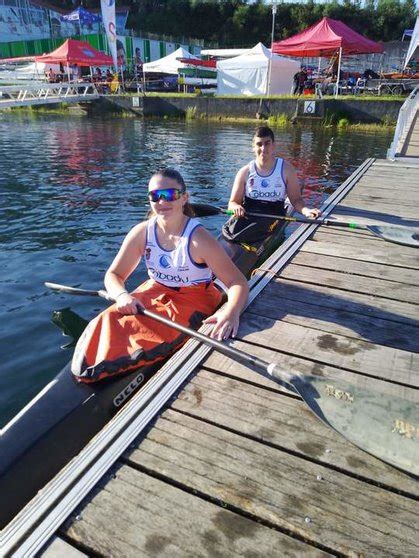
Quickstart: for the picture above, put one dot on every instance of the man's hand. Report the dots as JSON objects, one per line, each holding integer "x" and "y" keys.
{"x": 237, "y": 208}
{"x": 311, "y": 213}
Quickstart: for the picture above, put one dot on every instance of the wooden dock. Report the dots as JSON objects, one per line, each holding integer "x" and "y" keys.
{"x": 236, "y": 465}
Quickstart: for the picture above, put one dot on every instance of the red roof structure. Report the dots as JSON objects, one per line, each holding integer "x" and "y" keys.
{"x": 324, "y": 38}
{"x": 76, "y": 52}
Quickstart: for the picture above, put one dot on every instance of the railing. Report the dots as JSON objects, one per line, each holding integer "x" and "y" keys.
{"x": 44, "y": 93}
{"x": 407, "y": 114}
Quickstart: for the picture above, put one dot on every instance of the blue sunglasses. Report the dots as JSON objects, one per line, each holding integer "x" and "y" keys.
{"x": 166, "y": 194}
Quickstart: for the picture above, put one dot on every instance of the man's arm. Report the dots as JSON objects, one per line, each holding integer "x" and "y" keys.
{"x": 237, "y": 192}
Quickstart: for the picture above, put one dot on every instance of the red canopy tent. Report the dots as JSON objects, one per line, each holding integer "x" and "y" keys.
{"x": 76, "y": 52}
{"x": 324, "y": 38}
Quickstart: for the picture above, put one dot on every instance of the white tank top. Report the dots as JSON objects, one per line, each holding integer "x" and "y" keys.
{"x": 266, "y": 188}
{"x": 174, "y": 268}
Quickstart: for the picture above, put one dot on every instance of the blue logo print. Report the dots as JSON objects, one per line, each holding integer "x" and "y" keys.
{"x": 165, "y": 262}
{"x": 264, "y": 183}
{"x": 88, "y": 53}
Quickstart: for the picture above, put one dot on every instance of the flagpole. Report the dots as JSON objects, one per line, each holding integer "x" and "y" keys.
{"x": 268, "y": 88}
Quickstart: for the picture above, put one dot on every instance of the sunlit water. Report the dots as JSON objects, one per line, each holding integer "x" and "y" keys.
{"x": 72, "y": 186}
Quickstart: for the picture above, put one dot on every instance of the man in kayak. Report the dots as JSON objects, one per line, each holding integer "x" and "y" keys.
{"x": 181, "y": 258}
{"x": 262, "y": 186}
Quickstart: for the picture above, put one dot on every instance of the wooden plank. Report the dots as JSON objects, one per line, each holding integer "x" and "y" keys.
{"x": 343, "y": 231}
{"x": 357, "y": 267}
{"x": 387, "y": 209}
{"x": 302, "y": 497}
{"x": 138, "y": 515}
{"x": 379, "y": 179}
{"x": 335, "y": 350}
{"x": 338, "y": 321}
{"x": 382, "y": 205}
{"x": 391, "y": 249}
{"x": 382, "y": 256}
{"x": 364, "y": 304}
{"x": 376, "y": 286}
{"x": 369, "y": 217}
{"x": 58, "y": 548}
{"x": 319, "y": 443}
{"x": 386, "y": 163}
{"x": 394, "y": 167}
{"x": 384, "y": 187}
{"x": 285, "y": 423}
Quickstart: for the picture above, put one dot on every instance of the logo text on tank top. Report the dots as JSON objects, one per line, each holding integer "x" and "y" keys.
{"x": 165, "y": 262}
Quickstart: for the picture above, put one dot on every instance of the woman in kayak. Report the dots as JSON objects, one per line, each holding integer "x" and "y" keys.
{"x": 181, "y": 257}
{"x": 262, "y": 186}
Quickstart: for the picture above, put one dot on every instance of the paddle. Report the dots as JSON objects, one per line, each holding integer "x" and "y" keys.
{"x": 387, "y": 427}
{"x": 409, "y": 236}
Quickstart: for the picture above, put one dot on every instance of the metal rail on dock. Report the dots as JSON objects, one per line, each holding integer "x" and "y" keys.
{"x": 46, "y": 93}
{"x": 406, "y": 117}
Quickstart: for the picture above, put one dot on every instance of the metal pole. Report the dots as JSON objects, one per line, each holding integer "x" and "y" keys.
{"x": 337, "y": 77}
{"x": 268, "y": 88}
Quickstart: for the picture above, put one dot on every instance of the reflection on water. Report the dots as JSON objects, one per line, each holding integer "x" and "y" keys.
{"x": 72, "y": 186}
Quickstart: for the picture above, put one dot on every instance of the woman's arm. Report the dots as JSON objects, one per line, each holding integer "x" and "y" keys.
{"x": 205, "y": 249}
{"x": 125, "y": 262}
{"x": 294, "y": 193}
{"x": 237, "y": 192}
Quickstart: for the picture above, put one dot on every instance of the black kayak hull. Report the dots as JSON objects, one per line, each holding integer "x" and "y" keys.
{"x": 55, "y": 426}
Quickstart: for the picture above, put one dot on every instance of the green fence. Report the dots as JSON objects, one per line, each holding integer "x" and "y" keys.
{"x": 98, "y": 41}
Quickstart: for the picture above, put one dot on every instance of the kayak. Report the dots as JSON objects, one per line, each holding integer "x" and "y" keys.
{"x": 58, "y": 423}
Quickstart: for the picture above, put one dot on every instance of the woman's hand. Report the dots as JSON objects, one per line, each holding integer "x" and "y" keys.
{"x": 127, "y": 304}
{"x": 237, "y": 208}
{"x": 226, "y": 324}
{"x": 311, "y": 213}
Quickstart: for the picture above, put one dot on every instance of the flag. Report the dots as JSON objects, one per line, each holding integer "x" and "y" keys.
{"x": 108, "y": 16}
{"x": 81, "y": 15}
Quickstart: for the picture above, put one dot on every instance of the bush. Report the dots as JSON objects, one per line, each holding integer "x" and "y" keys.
{"x": 343, "y": 123}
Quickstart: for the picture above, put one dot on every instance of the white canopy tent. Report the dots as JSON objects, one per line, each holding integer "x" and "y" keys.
{"x": 414, "y": 42}
{"x": 169, "y": 64}
{"x": 224, "y": 52}
{"x": 258, "y": 72}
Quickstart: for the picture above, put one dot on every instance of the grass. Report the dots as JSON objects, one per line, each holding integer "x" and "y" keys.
{"x": 190, "y": 113}
{"x": 279, "y": 120}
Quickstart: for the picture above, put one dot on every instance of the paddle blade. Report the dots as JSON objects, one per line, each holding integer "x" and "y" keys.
{"x": 381, "y": 424}
{"x": 407, "y": 236}
{"x": 205, "y": 210}
{"x": 69, "y": 290}
{"x": 70, "y": 323}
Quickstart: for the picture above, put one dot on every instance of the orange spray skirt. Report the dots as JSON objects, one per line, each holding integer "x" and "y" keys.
{"x": 114, "y": 343}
